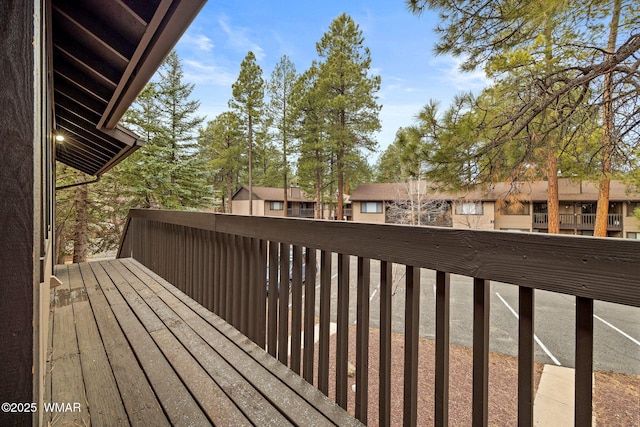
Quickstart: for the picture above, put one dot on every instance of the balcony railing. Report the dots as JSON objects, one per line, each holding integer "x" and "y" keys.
{"x": 578, "y": 221}
{"x": 301, "y": 212}
{"x": 224, "y": 262}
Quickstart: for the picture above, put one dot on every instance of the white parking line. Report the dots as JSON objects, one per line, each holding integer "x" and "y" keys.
{"x": 624, "y": 334}
{"x": 535, "y": 337}
{"x": 373, "y": 294}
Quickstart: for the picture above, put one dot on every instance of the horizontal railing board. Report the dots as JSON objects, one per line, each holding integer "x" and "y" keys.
{"x": 599, "y": 268}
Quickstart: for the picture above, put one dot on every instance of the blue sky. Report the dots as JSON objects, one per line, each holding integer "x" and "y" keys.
{"x": 401, "y": 46}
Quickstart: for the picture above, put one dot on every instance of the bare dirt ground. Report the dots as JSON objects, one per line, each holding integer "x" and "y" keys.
{"x": 616, "y": 396}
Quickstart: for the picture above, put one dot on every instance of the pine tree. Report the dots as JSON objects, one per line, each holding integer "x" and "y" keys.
{"x": 248, "y": 100}
{"x": 547, "y": 59}
{"x": 280, "y": 91}
{"x": 222, "y": 143}
{"x": 351, "y": 108}
{"x": 187, "y": 173}
{"x": 168, "y": 172}
{"x": 314, "y": 170}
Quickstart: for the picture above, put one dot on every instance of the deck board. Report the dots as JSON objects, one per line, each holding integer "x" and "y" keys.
{"x": 67, "y": 385}
{"x": 174, "y": 397}
{"x": 135, "y": 350}
{"x": 106, "y": 407}
{"x": 248, "y": 400}
{"x": 138, "y": 397}
{"x": 257, "y": 366}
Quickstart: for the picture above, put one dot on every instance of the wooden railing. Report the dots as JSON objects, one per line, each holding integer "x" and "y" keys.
{"x": 578, "y": 221}
{"x": 224, "y": 262}
{"x": 301, "y": 212}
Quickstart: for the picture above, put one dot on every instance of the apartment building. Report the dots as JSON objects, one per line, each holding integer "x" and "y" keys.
{"x": 513, "y": 207}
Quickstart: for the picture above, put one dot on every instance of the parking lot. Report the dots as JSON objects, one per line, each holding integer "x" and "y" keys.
{"x": 616, "y": 327}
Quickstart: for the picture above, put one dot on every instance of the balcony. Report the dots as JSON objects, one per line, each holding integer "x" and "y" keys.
{"x": 140, "y": 349}
{"x": 301, "y": 212}
{"x": 222, "y": 262}
{"x": 577, "y": 221}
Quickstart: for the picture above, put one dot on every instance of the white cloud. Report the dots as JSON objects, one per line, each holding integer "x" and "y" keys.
{"x": 199, "y": 72}
{"x": 239, "y": 38}
{"x": 198, "y": 41}
{"x": 452, "y": 76}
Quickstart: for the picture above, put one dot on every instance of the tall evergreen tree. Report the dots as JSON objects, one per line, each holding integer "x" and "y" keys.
{"x": 222, "y": 143}
{"x": 351, "y": 107}
{"x": 248, "y": 101}
{"x": 187, "y": 173}
{"x": 280, "y": 92}
{"x": 314, "y": 161}
{"x": 547, "y": 57}
{"x": 168, "y": 171}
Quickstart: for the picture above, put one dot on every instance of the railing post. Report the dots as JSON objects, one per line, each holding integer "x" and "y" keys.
{"x": 584, "y": 362}
{"x": 386, "y": 283}
{"x": 411, "y": 328}
{"x": 362, "y": 340}
{"x": 282, "y": 288}
{"x": 525, "y": 356}
{"x": 342, "y": 335}
{"x": 309, "y": 313}
{"x": 480, "y": 352}
{"x": 325, "y": 313}
{"x": 272, "y": 300}
{"x": 443, "y": 292}
{"x": 296, "y": 309}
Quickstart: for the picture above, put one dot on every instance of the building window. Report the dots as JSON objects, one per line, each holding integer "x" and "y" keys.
{"x": 631, "y": 207}
{"x": 514, "y": 209}
{"x": 469, "y": 208}
{"x": 371, "y": 207}
{"x": 276, "y": 206}
{"x": 633, "y": 235}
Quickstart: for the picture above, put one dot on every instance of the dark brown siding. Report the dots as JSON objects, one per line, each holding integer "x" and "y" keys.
{"x": 18, "y": 254}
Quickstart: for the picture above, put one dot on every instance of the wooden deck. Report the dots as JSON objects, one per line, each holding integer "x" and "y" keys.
{"x": 128, "y": 348}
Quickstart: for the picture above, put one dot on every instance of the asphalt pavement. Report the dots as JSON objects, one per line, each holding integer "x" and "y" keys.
{"x": 616, "y": 327}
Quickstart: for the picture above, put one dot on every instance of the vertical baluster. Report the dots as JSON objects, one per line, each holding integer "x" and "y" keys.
{"x": 218, "y": 262}
{"x": 342, "y": 335}
{"x": 526, "y": 355}
{"x": 362, "y": 340}
{"x": 411, "y": 329}
{"x": 252, "y": 284}
{"x": 443, "y": 291}
{"x": 272, "y": 297}
{"x": 245, "y": 255}
{"x": 480, "y": 352}
{"x": 296, "y": 309}
{"x": 234, "y": 290}
{"x": 309, "y": 313}
{"x": 325, "y": 317}
{"x": 386, "y": 283}
{"x": 283, "y": 305}
{"x": 584, "y": 361}
{"x": 225, "y": 274}
{"x": 261, "y": 293}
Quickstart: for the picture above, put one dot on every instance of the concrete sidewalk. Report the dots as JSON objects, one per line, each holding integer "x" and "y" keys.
{"x": 554, "y": 401}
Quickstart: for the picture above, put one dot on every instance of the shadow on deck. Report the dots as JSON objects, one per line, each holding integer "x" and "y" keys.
{"x": 126, "y": 347}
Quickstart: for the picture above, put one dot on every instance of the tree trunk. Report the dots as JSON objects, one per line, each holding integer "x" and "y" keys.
{"x": 229, "y": 193}
{"x": 340, "y": 161}
{"x": 319, "y": 211}
{"x": 553, "y": 204}
{"x": 80, "y": 234}
{"x": 285, "y": 184}
{"x": 602, "y": 210}
{"x": 250, "y": 168}
{"x": 339, "y": 207}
